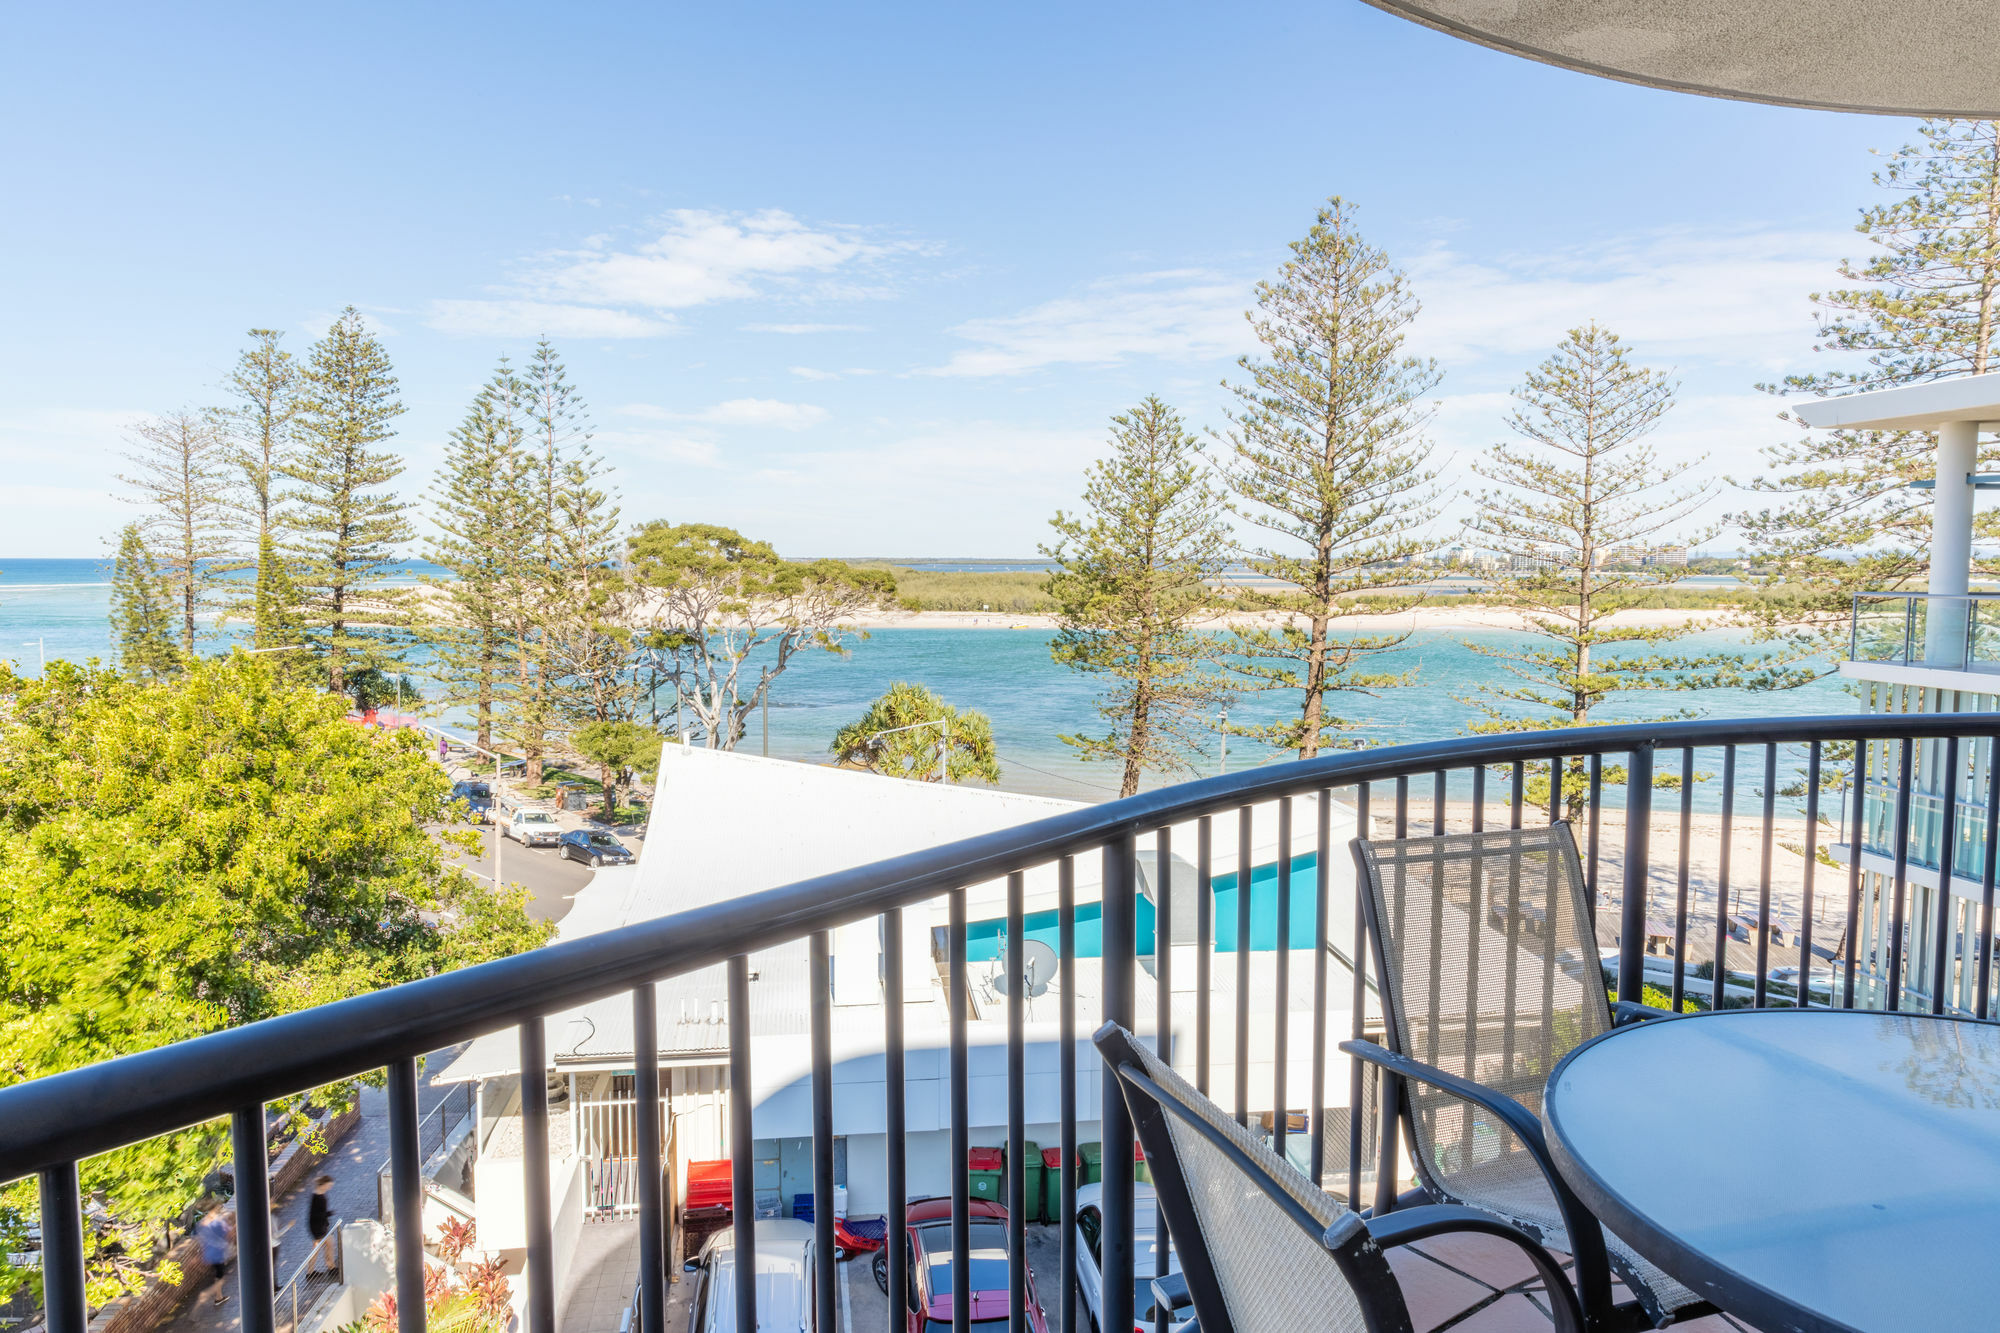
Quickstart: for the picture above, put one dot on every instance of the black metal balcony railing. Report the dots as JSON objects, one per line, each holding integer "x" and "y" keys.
{"x": 1923, "y": 955}
{"x": 1950, "y": 632}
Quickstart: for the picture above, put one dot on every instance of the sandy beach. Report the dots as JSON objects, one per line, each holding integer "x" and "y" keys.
{"x": 1421, "y": 617}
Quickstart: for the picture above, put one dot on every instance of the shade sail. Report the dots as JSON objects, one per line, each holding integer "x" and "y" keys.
{"x": 1902, "y": 57}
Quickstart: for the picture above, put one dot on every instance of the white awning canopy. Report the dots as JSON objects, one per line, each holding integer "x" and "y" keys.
{"x": 1903, "y": 57}
{"x": 1928, "y": 406}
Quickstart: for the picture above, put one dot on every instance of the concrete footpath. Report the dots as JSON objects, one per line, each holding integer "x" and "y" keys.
{"x": 353, "y": 1166}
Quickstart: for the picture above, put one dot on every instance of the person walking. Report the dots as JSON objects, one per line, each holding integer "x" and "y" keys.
{"x": 217, "y": 1234}
{"x": 319, "y": 1217}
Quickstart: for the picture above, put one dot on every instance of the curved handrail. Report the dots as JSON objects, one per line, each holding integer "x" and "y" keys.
{"x": 64, "y": 1117}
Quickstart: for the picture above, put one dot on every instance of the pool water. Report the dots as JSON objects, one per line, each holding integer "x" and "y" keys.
{"x": 983, "y": 939}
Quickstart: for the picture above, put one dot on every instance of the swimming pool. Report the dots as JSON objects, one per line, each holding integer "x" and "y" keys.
{"x": 983, "y": 938}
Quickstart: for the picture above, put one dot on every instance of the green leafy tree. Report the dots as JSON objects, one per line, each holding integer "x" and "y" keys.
{"x": 263, "y": 389}
{"x": 342, "y": 524}
{"x": 1841, "y": 517}
{"x": 1326, "y": 455}
{"x": 617, "y": 748}
{"x": 1132, "y": 576}
{"x": 179, "y": 856}
{"x": 708, "y": 598}
{"x": 182, "y": 473}
{"x": 141, "y": 611}
{"x": 911, "y": 733}
{"x": 475, "y": 617}
{"x": 1570, "y": 505}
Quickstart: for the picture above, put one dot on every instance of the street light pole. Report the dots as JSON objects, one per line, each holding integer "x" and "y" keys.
{"x": 494, "y": 808}
{"x": 41, "y": 654}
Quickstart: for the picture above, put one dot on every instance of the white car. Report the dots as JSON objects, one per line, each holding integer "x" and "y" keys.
{"x": 534, "y": 828}
{"x": 785, "y": 1277}
{"x": 1145, "y": 1252}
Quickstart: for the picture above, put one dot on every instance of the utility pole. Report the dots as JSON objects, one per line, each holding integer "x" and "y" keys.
{"x": 1225, "y": 740}
{"x": 493, "y": 808}
{"x": 41, "y": 654}
{"x": 767, "y": 721}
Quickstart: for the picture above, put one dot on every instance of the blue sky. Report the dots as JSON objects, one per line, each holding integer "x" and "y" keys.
{"x": 856, "y": 279}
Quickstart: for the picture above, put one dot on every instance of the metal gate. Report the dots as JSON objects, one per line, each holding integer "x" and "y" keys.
{"x": 608, "y": 1141}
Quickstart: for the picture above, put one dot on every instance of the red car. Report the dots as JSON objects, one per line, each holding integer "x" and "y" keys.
{"x": 927, "y": 1242}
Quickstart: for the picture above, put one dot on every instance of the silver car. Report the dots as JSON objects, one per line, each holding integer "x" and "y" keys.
{"x": 1145, "y": 1249}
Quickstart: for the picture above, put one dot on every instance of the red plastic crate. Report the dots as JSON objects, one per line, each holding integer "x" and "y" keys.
{"x": 709, "y": 1184}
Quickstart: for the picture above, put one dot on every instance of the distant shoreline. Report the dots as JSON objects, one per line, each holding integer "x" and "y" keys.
{"x": 1421, "y": 617}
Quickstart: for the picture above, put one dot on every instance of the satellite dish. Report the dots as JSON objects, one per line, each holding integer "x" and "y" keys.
{"x": 1038, "y": 969}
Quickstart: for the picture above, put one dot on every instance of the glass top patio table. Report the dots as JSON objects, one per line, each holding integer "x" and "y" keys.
{"x": 1802, "y": 1169}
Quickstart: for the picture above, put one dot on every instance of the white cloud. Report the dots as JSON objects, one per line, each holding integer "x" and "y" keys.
{"x": 701, "y": 257}
{"x": 1179, "y": 315}
{"x": 1740, "y": 296}
{"x": 817, "y": 375}
{"x": 805, "y": 328}
{"x": 660, "y": 446}
{"x": 766, "y": 412}
{"x": 529, "y": 319}
{"x": 608, "y": 289}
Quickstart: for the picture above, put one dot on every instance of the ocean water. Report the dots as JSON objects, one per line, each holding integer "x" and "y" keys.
{"x": 60, "y": 607}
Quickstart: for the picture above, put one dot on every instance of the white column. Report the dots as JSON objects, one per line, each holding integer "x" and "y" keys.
{"x": 1951, "y": 544}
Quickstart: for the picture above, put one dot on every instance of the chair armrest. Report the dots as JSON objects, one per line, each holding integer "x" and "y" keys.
{"x": 1516, "y": 1116}
{"x": 1412, "y": 1224}
{"x": 1624, "y": 1011}
{"x": 1170, "y": 1293}
{"x": 1585, "y": 1231}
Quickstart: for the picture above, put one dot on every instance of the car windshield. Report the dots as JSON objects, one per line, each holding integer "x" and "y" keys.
{"x": 603, "y": 840}
{"x": 536, "y": 817}
{"x": 989, "y": 1258}
{"x": 474, "y": 789}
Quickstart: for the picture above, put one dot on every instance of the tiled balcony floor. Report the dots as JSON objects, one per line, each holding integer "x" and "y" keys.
{"x": 1479, "y": 1284}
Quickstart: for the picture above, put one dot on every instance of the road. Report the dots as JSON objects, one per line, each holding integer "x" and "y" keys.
{"x": 551, "y": 882}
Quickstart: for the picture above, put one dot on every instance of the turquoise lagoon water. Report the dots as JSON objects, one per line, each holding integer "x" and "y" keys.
{"x": 1005, "y": 673}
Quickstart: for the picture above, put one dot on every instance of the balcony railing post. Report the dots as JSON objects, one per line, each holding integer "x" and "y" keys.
{"x": 1066, "y": 1174}
{"x": 895, "y": 1106}
{"x": 961, "y": 1105}
{"x": 406, "y": 1192}
{"x": 1947, "y": 858}
{"x": 255, "y": 1279}
{"x": 1632, "y": 911}
{"x": 537, "y": 1210}
{"x": 1120, "y": 949}
{"x": 742, "y": 1136}
{"x": 652, "y": 1200}
{"x": 820, "y": 968}
{"x": 63, "y": 1302}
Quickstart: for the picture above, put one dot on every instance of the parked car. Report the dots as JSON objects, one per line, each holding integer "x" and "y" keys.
{"x": 1145, "y": 1253}
{"x": 535, "y": 828}
{"x": 927, "y": 1243}
{"x": 478, "y": 798}
{"x": 596, "y": 847}
{"x": 785, "y": 1277}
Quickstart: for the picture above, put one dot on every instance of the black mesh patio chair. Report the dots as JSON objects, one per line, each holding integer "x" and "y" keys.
{"x": 1261, "y": 1247}
{"x": 1490, "y": 974}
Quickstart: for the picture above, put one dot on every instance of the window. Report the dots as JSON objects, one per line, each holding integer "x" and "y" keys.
{"x": 1091, "y": 1225}
{"x": 700, "y": 1303}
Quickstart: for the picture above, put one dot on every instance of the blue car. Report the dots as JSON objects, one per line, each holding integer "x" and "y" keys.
{"x": 478, "y": 798}
{"x": 594, "y": 847}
